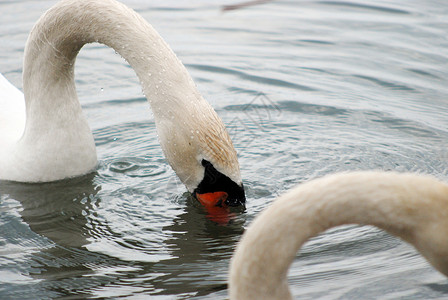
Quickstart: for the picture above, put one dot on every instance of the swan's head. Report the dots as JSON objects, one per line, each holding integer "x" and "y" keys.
{"x": 217, "y": 189}
{"x": 201, "y": 153}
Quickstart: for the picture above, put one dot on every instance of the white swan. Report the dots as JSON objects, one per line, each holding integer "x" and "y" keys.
{"x": 412, "y": 207}
{"x": 56, "y": 142}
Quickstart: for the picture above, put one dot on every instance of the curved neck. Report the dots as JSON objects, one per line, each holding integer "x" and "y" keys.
{"x": 61, "y": 32}
{"x": 408, "y": 206}
{"x": 56, "y": 132}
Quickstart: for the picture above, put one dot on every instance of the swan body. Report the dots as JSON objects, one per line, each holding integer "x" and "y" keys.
{"x": 410, "y": 206}
{"x": 12, "y": 112}
{"x": 55, "y": 141}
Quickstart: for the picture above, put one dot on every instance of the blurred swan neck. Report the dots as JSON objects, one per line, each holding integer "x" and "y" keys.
{"x": 387, "y": 200}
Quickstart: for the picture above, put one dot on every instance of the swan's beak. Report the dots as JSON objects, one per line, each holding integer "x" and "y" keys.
{"x": 216, "y": 206}
{"x": 210, "y": 191}
{"x": 219, "y": 199}
{"x": 216, "y": 199}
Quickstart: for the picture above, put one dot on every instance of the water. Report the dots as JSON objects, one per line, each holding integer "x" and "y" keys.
{"x": 306, "y": 88}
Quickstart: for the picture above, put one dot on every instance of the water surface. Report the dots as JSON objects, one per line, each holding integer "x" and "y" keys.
{"x": 306, "y": 88}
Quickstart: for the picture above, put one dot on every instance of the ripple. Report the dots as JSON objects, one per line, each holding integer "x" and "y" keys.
{"x": 255, "y": 78}
{"x": 387, "y": 84}
{"x": 378, "y": 8}
{"x": 136, "y": 167}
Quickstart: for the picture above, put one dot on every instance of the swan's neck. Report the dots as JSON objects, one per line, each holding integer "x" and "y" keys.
{"x": 55, "y": 124}
{"x": 409, "y": 206}
{"x": 61, "y": 32}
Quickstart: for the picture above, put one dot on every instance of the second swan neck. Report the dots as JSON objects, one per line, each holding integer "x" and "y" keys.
{"x": 407, "y": 205}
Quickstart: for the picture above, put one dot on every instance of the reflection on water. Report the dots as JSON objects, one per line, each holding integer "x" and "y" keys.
{"x": 58, "y": 211}
{"x": 59, "y": 214}
{"x": 65, "y": 213}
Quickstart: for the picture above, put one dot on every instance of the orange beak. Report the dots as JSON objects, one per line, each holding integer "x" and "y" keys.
{"x": 217, "y": 210}
{"x": 215, "y": 199}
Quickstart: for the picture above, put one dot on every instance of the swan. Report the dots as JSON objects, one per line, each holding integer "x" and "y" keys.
{"x": 44, "y": 135}
{"x": 411, "y": 206}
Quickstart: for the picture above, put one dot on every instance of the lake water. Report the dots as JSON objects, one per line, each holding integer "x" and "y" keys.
{"x": 306, "y": 88}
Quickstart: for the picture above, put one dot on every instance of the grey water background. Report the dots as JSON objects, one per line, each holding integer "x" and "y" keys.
{"x": 306, "y": 88}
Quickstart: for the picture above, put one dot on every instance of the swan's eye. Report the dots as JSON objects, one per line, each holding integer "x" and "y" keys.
{"x": 218, "y": 188}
